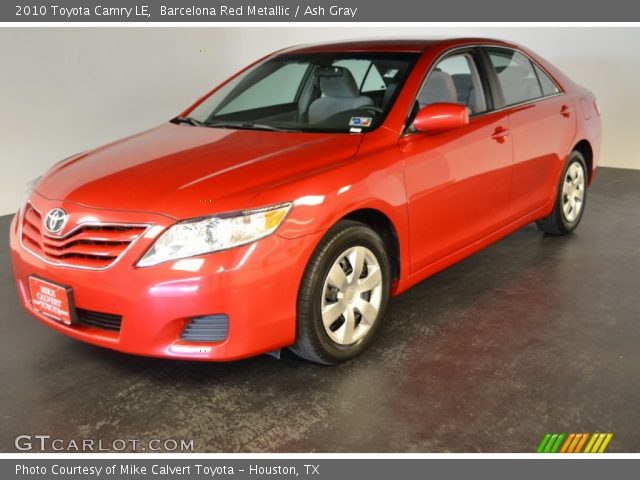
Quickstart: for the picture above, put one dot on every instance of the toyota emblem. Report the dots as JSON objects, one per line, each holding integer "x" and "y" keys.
{"x": 55, "y": 220}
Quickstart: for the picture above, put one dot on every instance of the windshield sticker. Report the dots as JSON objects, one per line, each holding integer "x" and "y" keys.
{"x": 360, "y": 122}
{"x": 391, "y": 73}
{"x": 355, "y": 130}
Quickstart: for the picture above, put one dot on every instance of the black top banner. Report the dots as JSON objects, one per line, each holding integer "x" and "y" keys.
{"x": 319, "y": 11}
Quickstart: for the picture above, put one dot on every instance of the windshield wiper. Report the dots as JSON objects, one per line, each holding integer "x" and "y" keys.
{"x": 188, "y": 120}
{"x": 250, "y": 126}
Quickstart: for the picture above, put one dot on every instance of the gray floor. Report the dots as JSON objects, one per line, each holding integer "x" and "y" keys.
{"x": 534, "y": 334}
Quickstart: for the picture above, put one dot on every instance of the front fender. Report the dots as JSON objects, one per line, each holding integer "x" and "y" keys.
{"x": 373, "y": 179}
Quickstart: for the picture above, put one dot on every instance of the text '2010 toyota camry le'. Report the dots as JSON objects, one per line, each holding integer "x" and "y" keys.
{"x": 285, "y": 207}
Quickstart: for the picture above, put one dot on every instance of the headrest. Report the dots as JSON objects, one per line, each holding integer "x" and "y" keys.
{"x": 439, "y": 88}
{"x": 514, "y": 73}
{"x": 341, "y": 84}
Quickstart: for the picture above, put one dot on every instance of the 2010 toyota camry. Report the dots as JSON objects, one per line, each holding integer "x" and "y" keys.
{"x": 286, "y": 206}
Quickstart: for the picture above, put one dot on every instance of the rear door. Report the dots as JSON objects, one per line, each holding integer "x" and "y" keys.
{"x": 542, "y": 126}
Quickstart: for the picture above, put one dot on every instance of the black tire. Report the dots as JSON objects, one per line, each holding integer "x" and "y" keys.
{"x": 312, "y": 341}
{"x": 556, "y": 223}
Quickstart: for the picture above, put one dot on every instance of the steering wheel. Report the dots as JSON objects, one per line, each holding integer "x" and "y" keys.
{"x": 372, "y": 108}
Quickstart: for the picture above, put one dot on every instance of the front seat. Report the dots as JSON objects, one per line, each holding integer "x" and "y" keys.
{"x": 341, "y": 94}
{"x": 439, "y": 88}
{"x": 467, "y": 92}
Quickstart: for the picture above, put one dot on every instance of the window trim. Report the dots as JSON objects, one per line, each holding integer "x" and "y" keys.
{"x": 493, "y": 90}
{"x": 537, "y": 68}
{"x": 476, "y": 54}
{"x": 494, "y": 76}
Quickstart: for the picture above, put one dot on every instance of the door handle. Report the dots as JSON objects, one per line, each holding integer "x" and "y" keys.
{"x": 499, "y": 134}
{"x": 565, "y": 111}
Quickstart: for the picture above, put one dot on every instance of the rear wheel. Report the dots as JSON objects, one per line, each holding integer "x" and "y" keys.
{"x": 343, "y": 294}
{"x": 570, "y": 200}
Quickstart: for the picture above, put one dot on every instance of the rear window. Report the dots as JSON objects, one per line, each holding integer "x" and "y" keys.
{"x": 516, "y": 76}
{"x": 549, "y": 87}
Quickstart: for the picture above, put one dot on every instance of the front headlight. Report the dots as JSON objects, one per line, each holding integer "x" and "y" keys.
{"x": 205, "y": 235}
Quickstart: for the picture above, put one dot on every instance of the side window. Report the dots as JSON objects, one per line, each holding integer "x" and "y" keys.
{"x": 549, "y": 87}
{"x": 454, "y": 79}
{"x": 373, "y": 81}
{"x": 516, "y": 76}
{"x": 276, "y": 89}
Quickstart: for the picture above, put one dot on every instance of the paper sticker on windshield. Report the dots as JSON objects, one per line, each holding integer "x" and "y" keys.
{"x": 391, "y": 73}
{"x": 360, "y": 122}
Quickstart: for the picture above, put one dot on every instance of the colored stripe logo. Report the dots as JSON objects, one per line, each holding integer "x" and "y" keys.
{"x": 574, "y": 443}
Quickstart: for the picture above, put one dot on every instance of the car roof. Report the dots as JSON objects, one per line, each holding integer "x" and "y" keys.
{"x": 391, "y": 45}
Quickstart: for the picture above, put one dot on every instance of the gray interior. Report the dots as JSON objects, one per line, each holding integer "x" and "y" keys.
{"x": 461, "y": 87}
{"x": 340, "y": 93}
{"x": 438, "y": 88}
{"x": 518, "y": 85}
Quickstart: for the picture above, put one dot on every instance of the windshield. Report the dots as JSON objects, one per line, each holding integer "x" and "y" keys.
{"x": 325, "y": 92}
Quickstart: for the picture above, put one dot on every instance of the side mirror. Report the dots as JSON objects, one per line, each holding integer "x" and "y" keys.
{"x": 438, "y": 117}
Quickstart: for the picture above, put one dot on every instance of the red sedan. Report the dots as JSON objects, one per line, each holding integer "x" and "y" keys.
{"x": 286, "y": 206}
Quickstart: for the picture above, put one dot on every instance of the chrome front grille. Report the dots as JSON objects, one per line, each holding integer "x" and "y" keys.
{"x": 89, "y": 246}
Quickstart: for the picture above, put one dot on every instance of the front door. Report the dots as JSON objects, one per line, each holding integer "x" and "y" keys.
{"x": 458, "y": 182}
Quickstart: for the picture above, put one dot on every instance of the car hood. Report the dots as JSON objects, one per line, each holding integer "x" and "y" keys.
{"x": 185, "y": 171}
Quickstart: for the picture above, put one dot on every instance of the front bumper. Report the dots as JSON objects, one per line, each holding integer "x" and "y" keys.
{"x": 255, "y": 285}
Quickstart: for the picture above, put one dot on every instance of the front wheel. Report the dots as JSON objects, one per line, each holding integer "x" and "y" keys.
{"x": 343, "y": 294}
{"x": 570, "y": 199}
